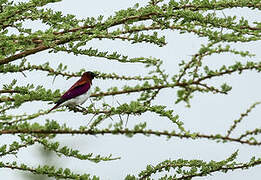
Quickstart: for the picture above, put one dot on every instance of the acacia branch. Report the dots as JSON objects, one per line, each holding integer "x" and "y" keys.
{"x": 14, "y": 150}
{"x": 226, "y": 168}
{"x": 103, "y": 26}
{"x": 46, "y": 172}
{"x": 59, "y": 42}
{"x": 9, "y": 91}
{"x": 134, "y": 90}
{"x": 23, "y": 54}
{"x": 257, "y": 67}
{"x": 253, "y": 132}
{"x": 127, "y": 131}
{"x": 158, "y": 87}
{"x": 236, "y": 122}
{"x": 201, "y": 174}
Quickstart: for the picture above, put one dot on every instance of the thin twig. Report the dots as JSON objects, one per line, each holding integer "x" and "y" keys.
{"x": 237, "y": 121}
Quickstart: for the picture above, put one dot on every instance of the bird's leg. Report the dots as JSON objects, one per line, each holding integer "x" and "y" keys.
{"x": 72, "y": 108}
{"x": 80, "y": 108}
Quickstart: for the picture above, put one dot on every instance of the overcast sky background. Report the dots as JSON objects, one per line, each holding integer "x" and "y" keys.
{"x": 208, "y": 113}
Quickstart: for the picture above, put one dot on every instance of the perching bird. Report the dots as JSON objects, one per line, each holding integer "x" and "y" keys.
{"x": 78, "y": 93}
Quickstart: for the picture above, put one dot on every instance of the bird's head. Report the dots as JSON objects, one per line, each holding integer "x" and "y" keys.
{"x": 89, "y": 75}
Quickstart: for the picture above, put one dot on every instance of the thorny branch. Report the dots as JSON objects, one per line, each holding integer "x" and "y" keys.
{"x": 222, "y": 168}
{"x": 126, "y": 27}
{"x": 127, "y": 131}
{"x": 104, "y": 26}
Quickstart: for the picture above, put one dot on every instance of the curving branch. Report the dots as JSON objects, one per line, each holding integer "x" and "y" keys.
{"x": 87, "y": 29}
{"x": 127, "y": 131}
{"x": 222, "y": 169}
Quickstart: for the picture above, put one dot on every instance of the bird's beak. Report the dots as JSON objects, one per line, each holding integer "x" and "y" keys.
{"x": 94, "y": 74}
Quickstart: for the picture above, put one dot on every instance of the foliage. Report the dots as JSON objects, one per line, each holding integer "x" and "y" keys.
{"x": 146, "y": 24}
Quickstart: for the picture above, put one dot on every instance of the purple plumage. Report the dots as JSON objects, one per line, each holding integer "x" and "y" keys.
{"x": 78, "y": 93}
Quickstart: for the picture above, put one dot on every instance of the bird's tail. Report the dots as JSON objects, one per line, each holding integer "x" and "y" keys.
{"x": 53, "y": 108}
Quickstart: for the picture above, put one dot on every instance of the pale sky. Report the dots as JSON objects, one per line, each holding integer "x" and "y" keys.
{"x": 209, "y": 114}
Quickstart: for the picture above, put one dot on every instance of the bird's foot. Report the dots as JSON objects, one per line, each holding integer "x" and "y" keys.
{"x": 80, "y": 108}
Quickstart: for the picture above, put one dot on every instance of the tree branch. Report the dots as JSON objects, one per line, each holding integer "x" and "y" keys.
{"x": 127, "y": 131}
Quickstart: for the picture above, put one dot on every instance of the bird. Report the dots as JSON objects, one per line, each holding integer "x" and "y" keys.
{"x": 78, "y": 93}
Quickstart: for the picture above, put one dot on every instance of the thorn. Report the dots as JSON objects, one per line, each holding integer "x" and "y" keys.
{"x": 224, "y": 14}
{"x": 118, "y": 102}
{"x": 120, "y": 117}
{"x": 111, "y": 118}
{"x": 127, "y": 120}
{"x": 23, "y": 74}
{"x": 93, "y": 105}
{"x": 54, "y": 78}
{"x": 91, "y": 120}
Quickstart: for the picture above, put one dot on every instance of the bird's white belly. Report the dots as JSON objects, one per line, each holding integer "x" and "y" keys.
{"x": 78, "y": 100}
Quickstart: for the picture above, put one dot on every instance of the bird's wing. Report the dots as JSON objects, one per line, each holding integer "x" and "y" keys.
{"x": 78, "y": 83}
{"x": 79, "y": 88}
{"x": 76, "y": 90}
